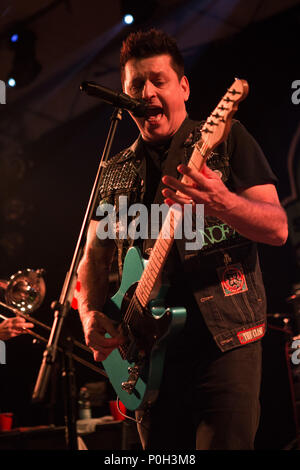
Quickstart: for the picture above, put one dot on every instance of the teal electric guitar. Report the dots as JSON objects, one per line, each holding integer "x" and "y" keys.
{"x": 135, "y": 368}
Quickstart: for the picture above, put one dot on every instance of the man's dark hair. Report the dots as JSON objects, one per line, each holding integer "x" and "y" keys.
{"x": 144, "y": 44}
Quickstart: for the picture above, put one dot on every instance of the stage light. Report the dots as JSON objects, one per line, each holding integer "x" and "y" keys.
{"x": 128, "y": 19}
{"x": 25, "y": 66}
{"x": 135, "y": 11}
{"x": 14, "y": 37}
{"x": 11, "y": 82}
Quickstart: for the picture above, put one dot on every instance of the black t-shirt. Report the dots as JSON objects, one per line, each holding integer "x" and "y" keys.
{"x": 248, "y": 164}
{"x": 247, "y": 167}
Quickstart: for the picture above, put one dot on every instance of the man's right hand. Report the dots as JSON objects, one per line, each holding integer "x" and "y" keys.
{"x": 95, "y": 326}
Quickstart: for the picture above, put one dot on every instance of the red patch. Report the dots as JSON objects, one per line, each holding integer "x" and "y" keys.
{"x": 246, "y": 336}
{"x": 232, "y": 279}
{"x": 74, "y": 303}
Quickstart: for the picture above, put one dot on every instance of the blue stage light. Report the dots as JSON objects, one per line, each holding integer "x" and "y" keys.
{"x": 14, "y": 37}
{"x": 11, "y": 82}
{"x": 128, "y": 19}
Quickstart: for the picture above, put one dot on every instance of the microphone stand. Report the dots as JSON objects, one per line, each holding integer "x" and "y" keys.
{"x": 62, "y": 307}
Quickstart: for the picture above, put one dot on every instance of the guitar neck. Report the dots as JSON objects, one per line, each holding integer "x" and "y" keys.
{"x": 164, "y": 242}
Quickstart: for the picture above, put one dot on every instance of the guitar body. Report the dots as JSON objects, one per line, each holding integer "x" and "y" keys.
{"x": 149, "y": 332}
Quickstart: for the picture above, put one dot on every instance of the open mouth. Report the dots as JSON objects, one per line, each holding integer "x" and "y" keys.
{"x": 154, "y": 114}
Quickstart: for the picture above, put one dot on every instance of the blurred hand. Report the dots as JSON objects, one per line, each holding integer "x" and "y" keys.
{"x": 95, "y": 326}
{"x": 14, "y": 327}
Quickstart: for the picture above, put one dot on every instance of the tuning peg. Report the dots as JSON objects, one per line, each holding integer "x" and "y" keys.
{"x": 233, "y": 91}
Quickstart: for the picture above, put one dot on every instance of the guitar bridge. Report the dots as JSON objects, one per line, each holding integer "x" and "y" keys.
{"x": 130, "y": 384}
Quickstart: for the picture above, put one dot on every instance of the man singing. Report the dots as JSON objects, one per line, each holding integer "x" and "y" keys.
{"x": 209, "y": 395}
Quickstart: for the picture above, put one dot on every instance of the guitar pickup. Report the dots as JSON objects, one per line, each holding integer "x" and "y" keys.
{"x": 130, "y": 384}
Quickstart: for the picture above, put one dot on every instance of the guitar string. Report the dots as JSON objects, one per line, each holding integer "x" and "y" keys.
{"x": 131, "y": 311}
{"x": 131, "y": 308}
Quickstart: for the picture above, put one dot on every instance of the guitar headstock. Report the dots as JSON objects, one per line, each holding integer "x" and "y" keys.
{"x": 217, "y": 125}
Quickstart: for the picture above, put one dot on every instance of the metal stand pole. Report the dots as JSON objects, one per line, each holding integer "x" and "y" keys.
{"x": 62, "y": 307}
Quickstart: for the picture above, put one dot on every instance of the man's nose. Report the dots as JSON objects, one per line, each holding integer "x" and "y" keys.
{"x": 148, "y": 90}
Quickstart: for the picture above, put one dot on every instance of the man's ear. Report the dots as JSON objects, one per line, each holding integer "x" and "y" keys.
{"x": 185, "y": 86}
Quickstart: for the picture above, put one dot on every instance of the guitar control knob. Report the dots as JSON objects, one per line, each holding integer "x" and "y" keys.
{"x": 127, "y": 386}
{"x": 133, "y": 370}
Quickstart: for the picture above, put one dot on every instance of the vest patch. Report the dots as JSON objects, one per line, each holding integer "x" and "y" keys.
{"x": 246, "y": 336}
{"x": 232, "y": 279}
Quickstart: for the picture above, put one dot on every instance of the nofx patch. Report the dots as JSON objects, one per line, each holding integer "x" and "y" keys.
{"x": 232, "y": 279}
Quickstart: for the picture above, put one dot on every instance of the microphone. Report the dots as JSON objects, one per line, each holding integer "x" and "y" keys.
{"x": 120, "y": 100}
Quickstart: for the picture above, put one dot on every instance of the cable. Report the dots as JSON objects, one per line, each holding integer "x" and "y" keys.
{"x": 137, "y": 421}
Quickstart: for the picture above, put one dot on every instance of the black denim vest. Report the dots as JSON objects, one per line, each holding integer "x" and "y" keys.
{"x": 225, "y": 275}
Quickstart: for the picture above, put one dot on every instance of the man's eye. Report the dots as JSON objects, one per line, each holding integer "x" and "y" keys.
{"x": 135, "y": 88}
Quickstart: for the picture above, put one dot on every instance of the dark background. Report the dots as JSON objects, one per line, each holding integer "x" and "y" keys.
{"x": 47, "y": 172}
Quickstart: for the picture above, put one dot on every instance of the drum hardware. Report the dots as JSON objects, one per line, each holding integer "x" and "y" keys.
{"x": 65, "y": 301}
